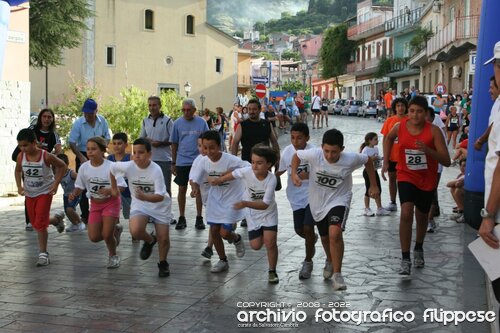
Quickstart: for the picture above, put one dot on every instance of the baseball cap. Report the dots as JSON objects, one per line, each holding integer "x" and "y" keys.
{"x": 89, "y": 106}
{"x": 496, "y": 53}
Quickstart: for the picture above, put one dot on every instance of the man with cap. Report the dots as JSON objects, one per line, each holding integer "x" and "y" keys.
{"x": 491, "y": 211}
{"x": 84, "y": 128}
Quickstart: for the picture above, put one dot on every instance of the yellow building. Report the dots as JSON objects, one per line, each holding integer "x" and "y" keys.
{"x": 151, "y": 44}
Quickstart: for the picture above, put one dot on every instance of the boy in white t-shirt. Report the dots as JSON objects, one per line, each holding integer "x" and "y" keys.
{"x": 258, "y": 202}
{"x": 150, "y": 201}
{"x": 298, "y": 196}
{"x": 220, "y": 213}
{"x": 330, "y": 192}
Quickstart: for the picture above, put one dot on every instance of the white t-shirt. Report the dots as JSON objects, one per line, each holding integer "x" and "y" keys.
{"x": 331, "y": 183}
{"x": 495, "y": 111}
{"x": 150, "y": 180}
{"x": 373, "y": 153}
{"x": 491, "y": 162}
{"x": 297, "y": 196}
{"x": 204, "y": 187}
{"x": 221, "y": 198}
{"x": 316, "y": 103}
{"x": 259, "y": 190}
{"x": 438, "y": 122}
{"x": 93, "y": 178}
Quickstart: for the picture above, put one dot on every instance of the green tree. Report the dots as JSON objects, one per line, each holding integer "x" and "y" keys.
{"x": 55, "y": 25}
{"x": 335, "y": 53}
{"x": 384, "y": 67}
{"x": 289, "y": 55}
{"x": 293, "y": 86}
{"x": 419, "y": 40}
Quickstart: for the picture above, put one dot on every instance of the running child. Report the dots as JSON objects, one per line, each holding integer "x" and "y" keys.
{"x": 259, "y": 203}
{"x": 220, "y": 200}
{"x": 94, "y": 176}
{"x": 120, "y": 144}
{"x": 68, "y": 185}
{"x": 330, "y": 193}
{"x": 298, "y": 197}
{"x": 150, "y": 201}
{"x": 369, "y": 147}
{"x": 33, "y": 167}
{"x": 452, "y": 126}
{"x": 400, "y": 106}
{"x": 421, "y": 148}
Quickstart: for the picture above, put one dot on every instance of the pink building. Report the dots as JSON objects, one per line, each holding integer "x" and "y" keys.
{"x": 309, "y": 48}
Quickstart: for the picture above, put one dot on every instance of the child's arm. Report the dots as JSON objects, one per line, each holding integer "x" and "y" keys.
{"x": 215, "y": 181}
{"x": 441, "y": 153}
{"x": 150, "y": 197}
{"x": 75, "y": 194}
{"x": 195, "y": 188}
{"x": 295, "y": 164}
{"x": 73, "y": 175}
{"x": 114, "y": 187}
{"x": 60, "y": 171}
{"x": 388, "y": 143}
{"x": 258, "y": 205}
{"x": 373, "y": 191}
{"x": 19, "y": 174}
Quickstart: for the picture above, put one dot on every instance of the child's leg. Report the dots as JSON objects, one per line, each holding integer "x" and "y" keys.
{"x": 405, "y": 226}
{"x": 257, "y": 242}
{"x": 108, "y": 233}
{"x": 137, "y": 226}
{"x": 270, "y": 237}
{"x": 126, "y": 202}
{"x": 73, "y": 216}
{"x": 367, "y": 201}
{"x": 325, "y": 240}
{"x": 215, "y": 230}
{"x": 422, "y": 221}
{"x": 210, "y": 242}
{"x": 336, "y": 247}
{"x": 39, "y": 215}
{"x": 229, "y": 235}
{"x": 163, "y": 237}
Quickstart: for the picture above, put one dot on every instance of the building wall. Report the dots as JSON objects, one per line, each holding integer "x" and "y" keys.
{"x": 310, "y": 48}
{"x": 17, "y": 48}
{"x": 244, "y": 67}
{"x": 141, "y": 55}
{"x": 402, "y": 45}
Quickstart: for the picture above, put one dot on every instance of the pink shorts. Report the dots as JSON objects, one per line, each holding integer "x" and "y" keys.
{"x": 39, "y": 211}
{"x": 108, "y": 208}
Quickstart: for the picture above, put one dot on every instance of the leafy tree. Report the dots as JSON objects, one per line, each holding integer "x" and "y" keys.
{"x": 419, "y": 40}
{"x": 335, "y": 53}
{"x": 384, "y": 67}
{"x": 293, "y": 86}
{"x": 55, "y": 25}
{"x": 289, "y": 55}
{"x": 265, "y": 55}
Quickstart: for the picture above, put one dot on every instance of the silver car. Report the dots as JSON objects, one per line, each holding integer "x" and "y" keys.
{"x": 368, "y": 110}
{"x": 351, "y": 108}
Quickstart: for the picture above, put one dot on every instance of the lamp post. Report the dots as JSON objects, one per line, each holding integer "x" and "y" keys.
{"x": 303, "y": 67}
{"x": 187, "y": 88}
{"x": 202, "y": 99}
{"x": 309, "y": 71}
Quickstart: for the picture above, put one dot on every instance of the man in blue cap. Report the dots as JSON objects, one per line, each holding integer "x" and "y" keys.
{"x": 84, "y": 128}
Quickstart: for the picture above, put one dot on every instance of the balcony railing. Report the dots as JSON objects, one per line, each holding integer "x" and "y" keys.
{"x": 461, "y": 28}
{"x": 363, "y": 65}
{"x": 365, "y": 26}
{"x": 405, "y": 20}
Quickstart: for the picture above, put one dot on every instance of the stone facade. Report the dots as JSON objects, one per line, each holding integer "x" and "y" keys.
{"x": 15, "y": 115}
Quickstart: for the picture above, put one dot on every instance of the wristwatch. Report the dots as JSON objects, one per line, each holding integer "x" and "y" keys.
{"x": 485, "y": 214}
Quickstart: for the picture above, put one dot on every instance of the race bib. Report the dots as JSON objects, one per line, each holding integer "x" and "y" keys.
{"x": 454, "y": 120}
{"x": 95, "y": 185}
{"x": 415, "y": 159}
{"x": 328, "y": 180}
{"x": 256, "y": 194}
{"x": 145, "y": 186}
{"x": 33, "y": 171}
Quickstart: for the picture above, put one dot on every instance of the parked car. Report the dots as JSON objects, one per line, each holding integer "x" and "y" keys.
{"x": 331, "y": 106}
{"x": 351, "y": 108}
{"x": 339, "y": 105}
{"x": 368, "y": 110}
{"x": 432, "y": 98}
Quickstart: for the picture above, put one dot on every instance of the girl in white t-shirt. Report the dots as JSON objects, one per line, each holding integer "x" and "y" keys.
{"x": 259, "y": 203}
{"x": 150, "y": 202}
{"x": 94, "y": 176}
{"x": 369, "y": 147}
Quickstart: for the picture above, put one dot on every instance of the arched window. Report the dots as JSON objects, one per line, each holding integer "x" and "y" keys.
{"x": 190, "y": 25}
{"x": 148, "y": 19}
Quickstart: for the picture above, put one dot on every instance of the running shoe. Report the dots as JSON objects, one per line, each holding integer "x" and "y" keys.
{"x": 147, "y": 248}
{"x": 163, "y": 269}
{"x": 418, "y": 259}
{"x": 240, "y": 247}
{"x": 461, "y": 219}
{"x": 243, "y": 223}
{"x": 73, "y": 228}
{"x": 43, "y": 259}
{"x": 405, "y": 268}
{"x": 368, "y": 212}
{"x": 113, "y": 262}
{"x": 383, "y": 212}
{"x": 305, "y": 272}
{"x": 207, "y": 252}
{"x": 199, "y": 225}
{"x": 60, "y": 221}
{"x": 327, "y": 270}
{"x": 392, "y": 207}
{"x": 456, "y": 215}
{"x": 431, "y": 226}
{"x": 338, "y": 282}
{"x": 273, "y": 277}
{"x": 220, "y": 266}
{"x": 28, "y": 227}
{"x": 181, "y": 224}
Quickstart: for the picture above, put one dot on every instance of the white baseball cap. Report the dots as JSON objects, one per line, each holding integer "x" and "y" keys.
{"x": 496, "y": 53}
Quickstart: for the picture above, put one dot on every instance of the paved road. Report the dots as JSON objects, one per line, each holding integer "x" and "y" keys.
{"x": 76, "y": 293}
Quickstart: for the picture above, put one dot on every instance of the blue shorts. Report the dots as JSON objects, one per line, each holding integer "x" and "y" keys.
{"x": 252, "y": 234}
{"x": 302, "y": 217}
{"x": 70, "y": 204}
{"x": 226, "y": 226}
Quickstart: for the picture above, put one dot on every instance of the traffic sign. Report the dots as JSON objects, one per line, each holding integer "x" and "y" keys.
{"x": 260, "y": 79}
{"x": 260, "y": 90}
{"x": 440, "y": 88}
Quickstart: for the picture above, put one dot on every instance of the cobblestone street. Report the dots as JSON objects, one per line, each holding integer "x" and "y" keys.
{"x": 76, "y": 293}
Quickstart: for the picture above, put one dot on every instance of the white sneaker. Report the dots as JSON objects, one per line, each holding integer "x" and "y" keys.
{"x": 73, "y": 228}
{"x": 368, "y": 212}
{"x": 461, "y": 219}
{"x": 43, "y": 259}
{"x": 338, "y": 282}
{"x": 219, "y": 267}
{"x": 240, "y": 247}
{"x": 82, "y": 226}
{"x": 431, "y": 226}
{"x": 383, "y": 212}
{"x": 305, "y": 272}
{"x": 28, "y": 227}
{"x": 327, "y": 270}
{"x": 392, "y": 207}
{"x": 113, "y": 262}
{"x": 456, "y": 216}
{"x": 60, "y": 224}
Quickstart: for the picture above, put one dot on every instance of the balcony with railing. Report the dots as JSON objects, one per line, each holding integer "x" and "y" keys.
{"x": 363, "y": 67}
{"x": 367, "y": 28}
{"x": 401, "y": 67}
{"x": 402, "y": 22}
{"x": 456, "y": 33}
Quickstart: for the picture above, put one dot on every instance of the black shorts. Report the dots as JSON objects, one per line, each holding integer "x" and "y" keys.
{"x": 182, "y": 177}
{"x": 452, "y": 128}
{"x": 302, "y": 217}
{"x": 420, "y": 198}
{"x": 367, "y": 182}
{"x": 392, "y": 166}
{"x": 315, "y": 110}
{"x": 336, "y": 216}
{"x": 260, "y": 232}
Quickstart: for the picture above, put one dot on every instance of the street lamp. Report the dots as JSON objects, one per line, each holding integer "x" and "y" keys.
{"x": 303, "y": 67}
{"x": 264, "y": 70}
{"x": 309, "y": 71}
{"x": 187, "y": 88}
{"x": 202, "y": 99}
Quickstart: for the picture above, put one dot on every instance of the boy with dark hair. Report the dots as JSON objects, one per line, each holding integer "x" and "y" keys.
{"x": 120, "y": 144}
{"x": 68, "y": 185}
{"x": 330, "y": 193}
{"x": 421, "y": 148}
